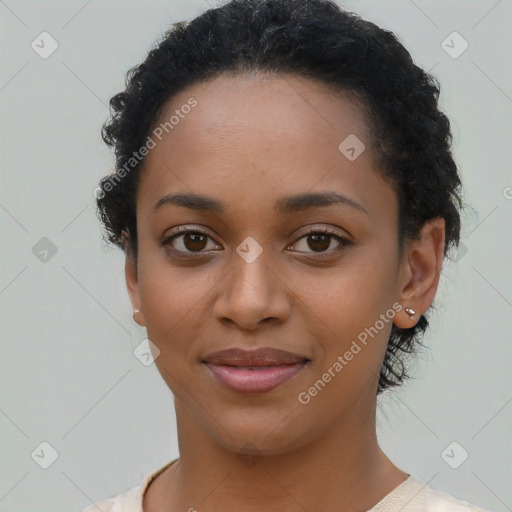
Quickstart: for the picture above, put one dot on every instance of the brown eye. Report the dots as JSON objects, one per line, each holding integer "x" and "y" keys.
{"x": 190, "y": 241}
{"x": 194, "y": 241}
{"x": 320, "y": 242}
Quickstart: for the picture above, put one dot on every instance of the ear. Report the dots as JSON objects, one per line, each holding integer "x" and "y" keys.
{"x": 132, "y": 282}
{"x": 420, "y": 271}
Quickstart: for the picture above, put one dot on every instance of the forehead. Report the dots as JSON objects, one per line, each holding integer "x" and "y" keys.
{"x": 285, "y": 104}
{"x": 254, "y": 135}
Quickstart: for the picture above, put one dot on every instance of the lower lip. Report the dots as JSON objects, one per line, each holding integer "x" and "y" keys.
{"x": 257, "y": 379}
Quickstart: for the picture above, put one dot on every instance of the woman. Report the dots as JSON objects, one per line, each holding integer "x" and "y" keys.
{"x": 285, "y": 195}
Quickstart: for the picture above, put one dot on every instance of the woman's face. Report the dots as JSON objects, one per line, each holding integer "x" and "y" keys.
{"x": 255, "y": 277}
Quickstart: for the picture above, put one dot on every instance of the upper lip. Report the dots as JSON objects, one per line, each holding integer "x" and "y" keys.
{"x": 265, "y": 356}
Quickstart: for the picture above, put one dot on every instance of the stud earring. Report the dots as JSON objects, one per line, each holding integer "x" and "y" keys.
{"x": 135, "y": 311}
{"x": 410, "y": 312}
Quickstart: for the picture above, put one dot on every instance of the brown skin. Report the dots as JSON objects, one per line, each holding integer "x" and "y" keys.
{"x": 249, "y": 141}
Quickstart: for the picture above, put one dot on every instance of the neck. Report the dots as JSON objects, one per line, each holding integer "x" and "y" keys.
{"x": 343, "y": 469}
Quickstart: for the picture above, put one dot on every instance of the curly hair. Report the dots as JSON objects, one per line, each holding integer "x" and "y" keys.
{"x": 315, "y": 39}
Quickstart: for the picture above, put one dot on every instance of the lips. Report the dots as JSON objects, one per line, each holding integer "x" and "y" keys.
{"x": 258, "y": 357}
{"x": 255, "y": 371}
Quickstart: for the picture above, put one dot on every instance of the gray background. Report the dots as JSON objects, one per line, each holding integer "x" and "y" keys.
{"x": 68, "y": 373}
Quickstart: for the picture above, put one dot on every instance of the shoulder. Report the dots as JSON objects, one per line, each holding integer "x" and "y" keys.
{"x": 129, "y": 501}
{"x": 103, "y": 506}
{"x": 439, "y": 501}
{"x": 431, "y": 500}
{"x": 414, "y": 495}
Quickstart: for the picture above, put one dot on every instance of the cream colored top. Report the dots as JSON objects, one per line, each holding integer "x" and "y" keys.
{"x": 412, "y": 495}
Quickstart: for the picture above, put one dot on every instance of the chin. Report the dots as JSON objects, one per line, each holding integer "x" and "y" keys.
{"x": 263, "y": 433}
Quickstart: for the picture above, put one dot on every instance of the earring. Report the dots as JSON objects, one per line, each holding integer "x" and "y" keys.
{"x": 135, "y": 311}
{"x": 410, "y": 312}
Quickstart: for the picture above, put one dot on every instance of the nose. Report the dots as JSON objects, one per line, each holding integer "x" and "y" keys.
{"x": 252, "y": 294}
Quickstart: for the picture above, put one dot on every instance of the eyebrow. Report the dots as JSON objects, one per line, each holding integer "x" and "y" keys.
{"x": 284, "y": 205}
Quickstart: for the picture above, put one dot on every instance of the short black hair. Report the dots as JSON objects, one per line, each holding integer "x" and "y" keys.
{"x": 314, "y": 39}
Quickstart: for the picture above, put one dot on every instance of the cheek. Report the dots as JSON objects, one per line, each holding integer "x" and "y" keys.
{"x": 353, "y": 294}
{"x": 172, "y": 299}
{"x": 347, "y": 305}
{"x": 177, "y": 304}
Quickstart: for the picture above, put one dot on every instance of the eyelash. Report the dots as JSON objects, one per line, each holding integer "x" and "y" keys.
{"x": 342, "y": 241}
